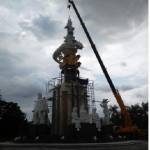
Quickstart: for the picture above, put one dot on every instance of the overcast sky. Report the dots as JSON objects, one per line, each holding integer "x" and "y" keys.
{"x": 31, "y": 30}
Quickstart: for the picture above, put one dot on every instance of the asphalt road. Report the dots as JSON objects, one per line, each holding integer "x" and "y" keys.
{"x": 129, "y": 145}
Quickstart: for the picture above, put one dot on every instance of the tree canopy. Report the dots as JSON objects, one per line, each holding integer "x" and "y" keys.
{"x": 138, "y": 113}
{"x": 12, "y": 120}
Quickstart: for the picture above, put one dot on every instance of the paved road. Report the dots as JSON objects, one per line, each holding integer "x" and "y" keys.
{"x": 129, "y": 145}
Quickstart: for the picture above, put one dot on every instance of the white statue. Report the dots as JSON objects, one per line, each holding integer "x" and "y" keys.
{"x": 40, "y": 112}
{"x": 84, "y": 115}
{"x": 104, "y": 105}
{"x": 76, "y": 119}
{"x": 96, "y": 119}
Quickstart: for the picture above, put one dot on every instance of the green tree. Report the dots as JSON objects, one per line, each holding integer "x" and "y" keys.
{"x": 138, "y": 113}
{"x": 115, "y": 115}
{"x": 12, "y": 120}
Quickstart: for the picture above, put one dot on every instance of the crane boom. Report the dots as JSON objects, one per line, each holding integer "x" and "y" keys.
{"x": 115, "y": 92}
{"x": 128, "y": 126}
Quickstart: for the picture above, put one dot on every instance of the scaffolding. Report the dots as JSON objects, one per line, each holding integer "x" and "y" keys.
{"x": 91, "y": 95}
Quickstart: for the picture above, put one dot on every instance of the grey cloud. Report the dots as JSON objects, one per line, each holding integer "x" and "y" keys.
{"x": 126, "y": 87}
{"x": 22, "y": 81}
{"x": 123, "y": 64}
{"x": 104, "y": 88}
{"x": 42, "y": 27}
{"x": 10, "y": 64}
{"x": 21, "y": 89}
{"x": 115, "y": 12}
{"x": 22, "y": 75}
{"x": 108, "y": 18}
{"x": 140, "y": 95}
{"x": 12, "y": 4}
{"x": 25, "y": 90}
{"x": 5, "y": 35}
{"x": 19, "y": 80}
{"x": 85, "y": 69}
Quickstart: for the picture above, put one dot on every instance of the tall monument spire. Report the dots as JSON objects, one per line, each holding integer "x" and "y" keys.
{"x": 71, "y": 96}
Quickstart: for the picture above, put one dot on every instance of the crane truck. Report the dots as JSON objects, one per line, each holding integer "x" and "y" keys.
{"x": 127, "y": 126}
